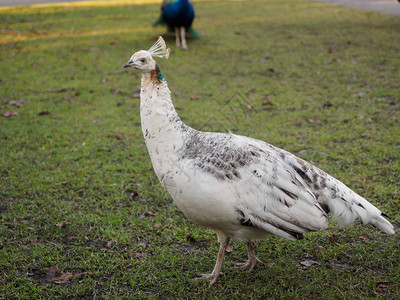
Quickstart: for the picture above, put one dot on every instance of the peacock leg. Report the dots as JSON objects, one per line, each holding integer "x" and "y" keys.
{"x": 177, "y": 38}
{"x": 252, "y": 260}
{"x": 217, "y": 269}
{"x": 183, "y": 37}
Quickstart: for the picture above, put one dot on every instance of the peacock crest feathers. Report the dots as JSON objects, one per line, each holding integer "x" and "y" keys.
{"x": 159, "y": 49}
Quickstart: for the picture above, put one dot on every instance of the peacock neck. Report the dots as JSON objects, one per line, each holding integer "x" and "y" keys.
{"x": 156, "y": 107}
{"x": 163, "y": 130}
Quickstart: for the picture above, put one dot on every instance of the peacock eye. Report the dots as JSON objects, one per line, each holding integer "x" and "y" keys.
{"x": 142, "y": 60}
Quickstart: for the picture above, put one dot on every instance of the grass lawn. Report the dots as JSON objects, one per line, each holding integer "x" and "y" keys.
{"x": 82, "y": 214}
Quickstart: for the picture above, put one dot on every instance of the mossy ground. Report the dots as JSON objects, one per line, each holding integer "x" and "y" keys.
{"x": 82, "y": 213}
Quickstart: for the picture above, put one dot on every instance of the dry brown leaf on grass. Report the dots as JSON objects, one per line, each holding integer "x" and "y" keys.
{"x": 116, "y": 91}
{"x": 365, "y": 238}
{"x": 229, "y": 248}
{"x": 64, "y": 182}
{"x": 61, "y": 90}
{"x": 309, "y": 262}
{"x": 266, "y": 101}
{"x": 10, "y": 113}
{"x": 63, "y": 223}
{"x": 157, "y": 225}
{"x": 52, "y": 272}
{"x": 147, "y": 213}
{"x": 381, "y": 287}
{"x": 18, "y": 102}
{"x": 327, "y": 104}
{"x": 333, "y": 238}
{"x": 138, "y": 254}
{"x": 43, "y": 113}
{"x": 117, "y": 136}
{"x": 56, "y": 276}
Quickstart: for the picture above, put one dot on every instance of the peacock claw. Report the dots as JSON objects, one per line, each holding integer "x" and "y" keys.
{"x": 250, "y": 264}
{"x": 210, "y": 277}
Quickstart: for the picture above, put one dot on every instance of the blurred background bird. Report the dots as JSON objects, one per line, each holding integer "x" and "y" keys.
{"x": 178, "y": 15}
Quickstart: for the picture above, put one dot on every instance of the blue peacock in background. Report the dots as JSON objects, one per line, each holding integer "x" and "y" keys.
{"x": 178, "y": 15}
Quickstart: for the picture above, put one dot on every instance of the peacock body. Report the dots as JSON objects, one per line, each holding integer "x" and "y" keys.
{"x": 242, "y": 188}
{"x": 179, "y": 16}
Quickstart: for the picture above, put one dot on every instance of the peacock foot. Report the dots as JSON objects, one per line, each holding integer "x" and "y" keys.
{"x": 250, "y": 264}
{"x": 212, "y": 278}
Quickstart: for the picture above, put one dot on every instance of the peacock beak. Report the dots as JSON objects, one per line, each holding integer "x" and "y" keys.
{"x": 128, "y": 64}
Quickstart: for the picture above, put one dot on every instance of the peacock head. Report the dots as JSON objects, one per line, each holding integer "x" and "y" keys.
{"x": 143, "y": 60}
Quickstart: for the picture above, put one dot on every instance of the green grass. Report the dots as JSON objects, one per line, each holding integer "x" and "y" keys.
{"x": 77, "y": 190}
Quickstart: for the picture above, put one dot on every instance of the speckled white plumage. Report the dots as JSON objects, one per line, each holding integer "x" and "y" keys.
{"x": 240, "y": 187}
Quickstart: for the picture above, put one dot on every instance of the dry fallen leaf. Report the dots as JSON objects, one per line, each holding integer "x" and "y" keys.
{"x": 381, "y": 287}
{"x": 266, "y": 103}
{"x": 56, "y": 276}
{"x": 229, "y": 248}
{"x": 157, "y": 225}
{"x": 63, "y": 278}
{"x": 138, "y": 254}
{"x": 10, "y": 113}
{"x": 365, "y": 238}
{"x": 249, "y": 106}
{"x": 117, "y": 136}
{"x": 109, "y": 243}
{"x": 57, "y": 90}
{"x": 43, "y": 113}
{"x": 304, "y": 152}
{"x": 61, "y": 183}
{"x": 63, "y": 223}
{"x": 309, "y": 262}
{"x": 333, "y": 237}
{"x": 146, "y": 214}
{"x": 116, "y": 91}
{"x": 332, "y": 60}
{"x": 52, "y": 273}
{"x": 132, "y": 194}
{"x": 12, "y": 243}
{"x": 18, "y": 102}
